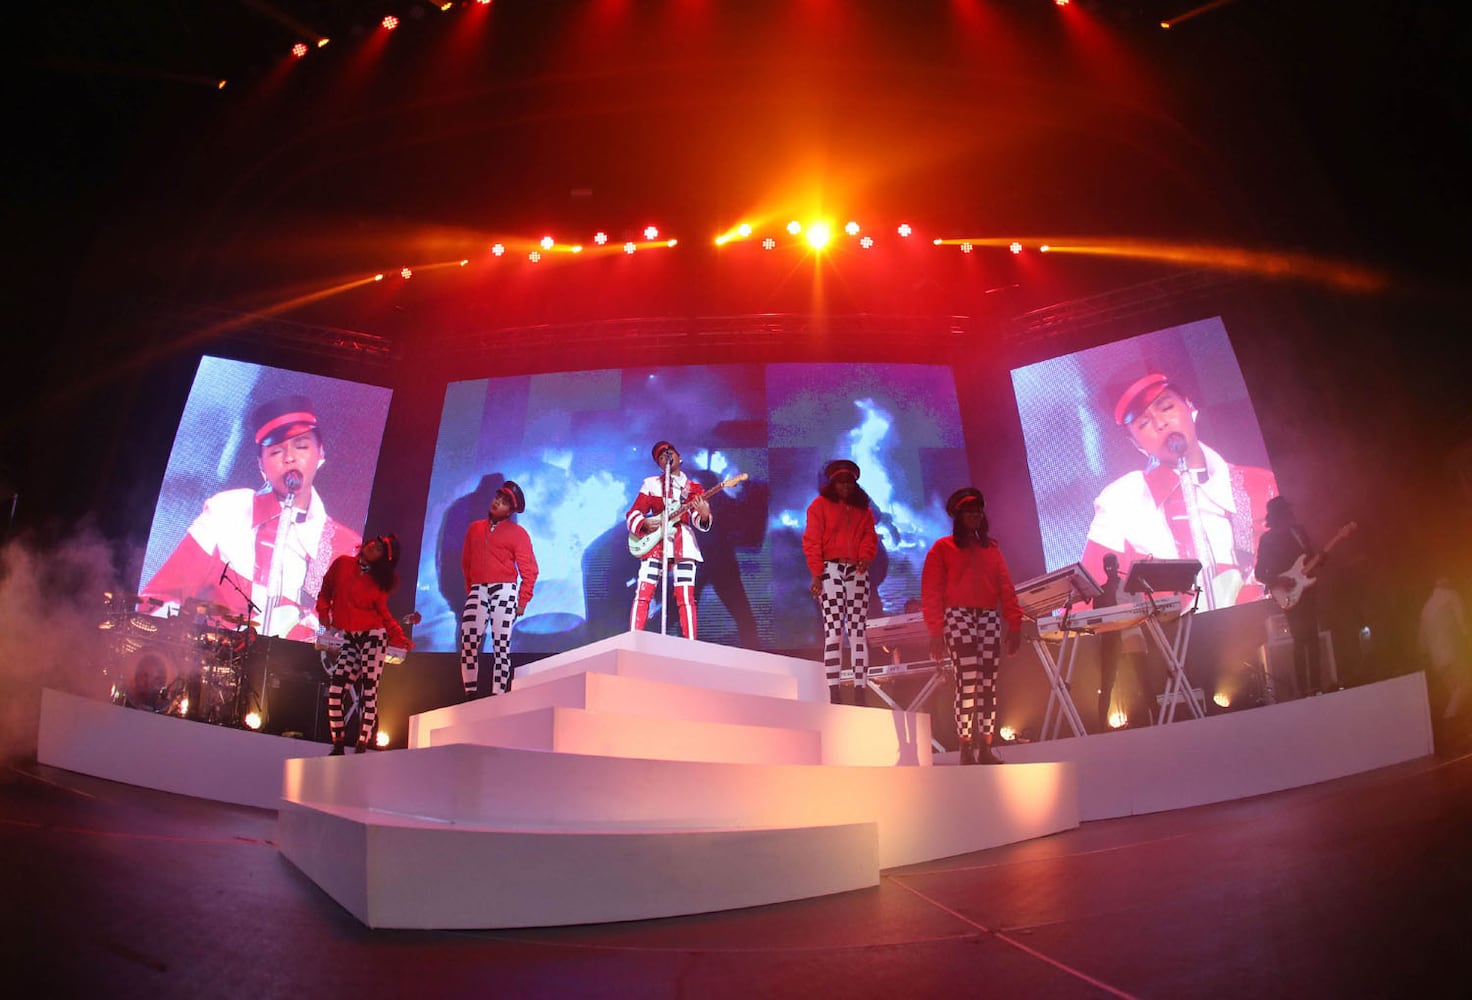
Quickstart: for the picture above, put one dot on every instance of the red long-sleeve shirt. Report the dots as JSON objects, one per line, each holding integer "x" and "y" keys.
{"x": 973, "y": 577}
{"x": 496, "y": 554}
{"x": 837, "y": 530}
{"x": 351, "y": 600}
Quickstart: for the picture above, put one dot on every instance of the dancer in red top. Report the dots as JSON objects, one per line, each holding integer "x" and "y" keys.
{"x": 354, "y": 598}
{"x": 497, "y": 551}
{"x": 681, "y": 550}
{"x": 964, "y": 582}
{"x": 839, "y": 542}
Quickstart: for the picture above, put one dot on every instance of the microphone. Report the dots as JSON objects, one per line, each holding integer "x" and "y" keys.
{"x": 223, "y": 573}
{"x": 1175, "y": 443}
{"x": 292, "y": 481}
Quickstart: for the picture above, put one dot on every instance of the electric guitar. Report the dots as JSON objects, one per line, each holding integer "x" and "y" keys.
{"x": 330, "y": 639}
{"x": 642, "y": 545}
{"x": 1299, "y": 577}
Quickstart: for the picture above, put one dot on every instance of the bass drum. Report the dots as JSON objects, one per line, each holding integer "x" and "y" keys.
{"x": 153, "y": 679}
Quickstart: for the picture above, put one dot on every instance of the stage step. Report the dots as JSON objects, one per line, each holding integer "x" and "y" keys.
{"x": 850, "y": 735}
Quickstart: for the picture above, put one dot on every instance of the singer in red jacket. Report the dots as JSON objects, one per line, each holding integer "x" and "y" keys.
{"x": 964, "y": 583}
{"x": 681, "y": 549}
{"x": 839, "y": 542}
{"x": 354, "y": 598}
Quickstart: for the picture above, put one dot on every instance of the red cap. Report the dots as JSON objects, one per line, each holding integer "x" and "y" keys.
{"x": 1141, "y": 393}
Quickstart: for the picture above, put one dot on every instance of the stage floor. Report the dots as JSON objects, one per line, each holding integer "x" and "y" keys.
{"x": 1354, "y": 887}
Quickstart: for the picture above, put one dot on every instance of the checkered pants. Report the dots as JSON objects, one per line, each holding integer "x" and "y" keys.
{"x": 492, "y": 604}
{"x": 682, "y": 582}
{"x": 974, "y": 640}
{"x": 360, "y": 659}
{"x": 845, "y": 605}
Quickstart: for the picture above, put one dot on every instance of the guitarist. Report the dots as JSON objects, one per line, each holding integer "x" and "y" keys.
{"x": 1277, "y": 551}
{"x": 670, "y": 488}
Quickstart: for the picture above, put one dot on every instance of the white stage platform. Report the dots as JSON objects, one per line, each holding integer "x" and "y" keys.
{"x": 648, "y": 776}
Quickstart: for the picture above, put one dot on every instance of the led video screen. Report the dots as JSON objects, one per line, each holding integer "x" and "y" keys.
{"x": 268, "y": 481}
{"x": 1149, "y": 448}
{"x": 578, "y": 444}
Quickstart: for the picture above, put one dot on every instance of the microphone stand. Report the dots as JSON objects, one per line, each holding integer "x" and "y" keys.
{"x": 241, "y": 688}
{"x": 1199, "y": 539}
{"x": 665, "y": 546}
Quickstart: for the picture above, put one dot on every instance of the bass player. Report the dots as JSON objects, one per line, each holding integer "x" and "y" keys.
{"x": 675, "y": 560}
{"x": 1277, "y": 551}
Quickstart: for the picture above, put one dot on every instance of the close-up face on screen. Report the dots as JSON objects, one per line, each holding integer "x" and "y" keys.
{"x": 1149, "y": 448}
{"x": 268, "y": 481}
{"x": 578, "y": 444}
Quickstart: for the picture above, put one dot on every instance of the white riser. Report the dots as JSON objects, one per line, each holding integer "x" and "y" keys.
{"x": 851, "y": 736}
{"x": 611, "y": 734}
{"x": 413, "y": 876}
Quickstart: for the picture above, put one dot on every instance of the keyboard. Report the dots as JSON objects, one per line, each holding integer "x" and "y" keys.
{"x": 1108, "y": 619}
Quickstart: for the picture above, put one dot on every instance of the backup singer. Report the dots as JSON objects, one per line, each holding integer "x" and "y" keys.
{"x": 354, "y": 598}
{"x": 497, "y": 552}
{"x": 839, "y": 542}
{"x": 964, "y": 583}
{"x": 680, "y": 550}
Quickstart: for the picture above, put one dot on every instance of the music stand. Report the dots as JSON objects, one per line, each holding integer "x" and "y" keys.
{"x": 1148, "y": 577}
{"x": 1043, "y": 595}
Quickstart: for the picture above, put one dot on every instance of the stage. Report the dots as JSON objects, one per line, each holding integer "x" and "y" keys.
{"x": 648, "y": 776}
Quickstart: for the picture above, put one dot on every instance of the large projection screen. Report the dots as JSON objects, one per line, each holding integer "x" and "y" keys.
{"x": 1177, "y": 470}
{"x": 578, "y": 444}
{"x": 218, "y": 541}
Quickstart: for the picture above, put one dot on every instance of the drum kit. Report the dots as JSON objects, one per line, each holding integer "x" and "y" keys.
{"x": 190, "y": 664}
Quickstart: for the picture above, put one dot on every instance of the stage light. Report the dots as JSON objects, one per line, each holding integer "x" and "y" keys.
{"x": 1222, "y": 700}
{"x": 670, "y": 243}
{"x": 769, "y": 244}
{"x": 1061, "y": 3}
{"x": 904, "y": 229}
{"x": 852, "y": 228}
{"x": 1044, "y": 248}
{"x": 464, "y": 262}
{"x": 1015, "y": 247}
{"x": 629, "y": 247}
{"x": 600, "y": 238}
{"x": 390, "y": 22}
{"x": 1007, "y": 733}
{"x": 966, "y": 246}
{"x": 651, "y": 233}
{"x": 253, "y": 720}
{"x": 498, "y": 249}
{"x": 378, "y": 277}
{"x": 535, "y": 256}
{"x": 866, "y": 242}
{"x": 299, "y": 49}
{"x": 744, "y": 230}
{"x": 220, "y": 85}
{"x": 936, "y": 242}
{"x": 446, "y": 6}
{"x": 323, "y": 42}
{"x": 405, "y": 273}
{"x": 1118, "y": 720}
{"x": 575, "y": 248}
{"x": 547, "y": 243}
{"x": 818, "y": 235}
{"x": 794, "y": 227}
{"x": 381, "y": 739}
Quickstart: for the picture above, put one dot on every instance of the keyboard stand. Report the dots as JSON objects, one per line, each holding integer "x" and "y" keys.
{"x": 1177, "y": 686}
{"x": 1061, "y": 705}
{"x": 934, "y": 676}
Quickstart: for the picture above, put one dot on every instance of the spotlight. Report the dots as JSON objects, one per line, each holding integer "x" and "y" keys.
{"x": 651, "y": 233}
{"x": 744, "y": 230}
{"x": 575, "y": 248}
{"x": 629, "y": 247}
{"x": 499, "y": 249}
{"x": 1044, "y": 248}
{"x": 381, "y": 739}
{"x": 464, "y": 262}
{"x": 866, "y": 242}
{"x": 547, "y": 243}
{"x": 534, "y": 256}
{"x": 406, "y": 274}
{"x": 818, "y": 235}
{"x": 670, "y": 243}
{"x": 852, "y": 228}
{"x": 1222, "y": 700}
{"x": 322, "y": 43}
{"x": 1015, "y": 247}
{"x": 253, "y": 720}
{"x": 1118, "y": 720}
{"x": 1007, "y": 733}
{"x": 769, "y": 244}
{"x": 794, "y": 227}
{"x": 966, "y": 247}
{"x": 299, "y": 49}
{"x": 390, "y": 22}
{"x": 600, "y": 238}
{"x": 378, "y": 277}
{"x": 904, "y": 229}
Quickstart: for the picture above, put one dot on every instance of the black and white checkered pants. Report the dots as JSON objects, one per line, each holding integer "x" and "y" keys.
{"x": 488, "y": 607}
{"x": 360, "y": 659}
{"x": 974, "y": 640}
{"x": 844, "y": 601}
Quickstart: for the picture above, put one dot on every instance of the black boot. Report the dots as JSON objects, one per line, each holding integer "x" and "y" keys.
{"x": 336, "y": 750}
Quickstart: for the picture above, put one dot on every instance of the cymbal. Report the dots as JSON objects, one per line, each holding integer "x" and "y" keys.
{"x": 241, "y": 620}
{"x": 201, "y": 606}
